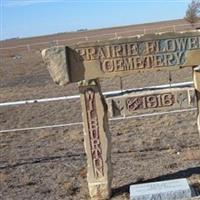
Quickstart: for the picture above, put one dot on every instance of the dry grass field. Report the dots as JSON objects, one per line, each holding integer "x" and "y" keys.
{"x": 50, "y": 164}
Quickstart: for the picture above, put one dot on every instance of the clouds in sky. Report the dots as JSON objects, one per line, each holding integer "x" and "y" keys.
{"x": 11, "y": 3}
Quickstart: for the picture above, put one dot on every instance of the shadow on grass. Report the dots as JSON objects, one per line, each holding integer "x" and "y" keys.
{"x": 180, "y": 174}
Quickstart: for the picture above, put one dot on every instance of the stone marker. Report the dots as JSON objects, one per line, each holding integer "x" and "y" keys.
{"x": 165, "y": 190}
{"x": 85, "y": 63}
{"x": 96, "y": 139}
{"x": 157, "y": 100}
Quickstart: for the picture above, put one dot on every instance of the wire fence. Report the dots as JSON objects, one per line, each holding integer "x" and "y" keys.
{"x": 112, "y": 35}
{"x": 16, "y": 60}
{"x": 111, "y": 119}
{"x": 106, "y": 94}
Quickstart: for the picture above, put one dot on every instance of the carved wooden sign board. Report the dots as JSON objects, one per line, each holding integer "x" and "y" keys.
{"x": 86, "y": 63}
{"x": 158, "y": 100}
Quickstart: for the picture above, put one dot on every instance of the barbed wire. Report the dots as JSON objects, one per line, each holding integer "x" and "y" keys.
{"x": 106, "y": 94}
{"x": 111, "y": 119}
{"x": 116, "y": 35}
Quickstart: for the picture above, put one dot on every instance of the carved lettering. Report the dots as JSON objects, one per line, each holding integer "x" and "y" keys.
{"x": 101, "y": 53}
{"x": 150, "y": 101}
{"x": 181, "y": 43}
{"x": 108, "y": 66}
{"x": 151, "y": 47}
{"x": 93, "y": 128}
{"x": 140, "y": 55}
{"x": 159, "y": 61}
{"x": 90, "y": 53}
{"x": 164, "y": 99}
{"x": 132, "y": 49}
{"x": 193, "y": 43}
{"x": 168, "y": 99}
{"x": 145, "y": 62}
{"x": 170, "y": 45}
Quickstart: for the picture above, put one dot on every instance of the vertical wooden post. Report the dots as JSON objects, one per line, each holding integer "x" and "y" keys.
{"x": 196, "y": 77}
{"x": 97, "y": 140}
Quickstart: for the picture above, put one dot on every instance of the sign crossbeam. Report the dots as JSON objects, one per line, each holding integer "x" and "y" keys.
{"x": 121, "y": 57}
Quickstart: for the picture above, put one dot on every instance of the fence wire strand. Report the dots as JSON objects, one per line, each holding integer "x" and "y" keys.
{"x": 111, "y": 119}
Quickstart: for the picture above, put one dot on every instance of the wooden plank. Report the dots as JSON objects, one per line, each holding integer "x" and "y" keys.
{"x": 121, "y": 57}
{"x": 196, "y": 77}
{"x": 152, "y": 101}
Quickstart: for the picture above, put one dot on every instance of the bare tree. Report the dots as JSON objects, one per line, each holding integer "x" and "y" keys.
{"x": 193, "y": 11}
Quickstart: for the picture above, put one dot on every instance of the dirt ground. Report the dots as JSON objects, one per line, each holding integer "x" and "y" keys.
{"x": 50, "y": 164}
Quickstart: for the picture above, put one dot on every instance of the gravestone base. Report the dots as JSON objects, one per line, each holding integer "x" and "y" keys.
{"x": 165, "y": 190}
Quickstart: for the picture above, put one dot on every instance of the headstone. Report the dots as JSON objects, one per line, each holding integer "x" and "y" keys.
{"x": 165, "y": 190}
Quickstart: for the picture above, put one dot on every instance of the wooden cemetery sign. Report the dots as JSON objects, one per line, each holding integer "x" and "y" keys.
{"x": 156, "y": 100}
{"x": 86, "y": 63}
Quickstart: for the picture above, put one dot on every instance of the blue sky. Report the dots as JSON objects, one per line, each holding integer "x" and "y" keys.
{"x": 24, "y": 18}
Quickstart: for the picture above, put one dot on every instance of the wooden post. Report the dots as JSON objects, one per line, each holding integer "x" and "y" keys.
{"x": 196, "y": 77}
{"x": 97, "y": 139}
